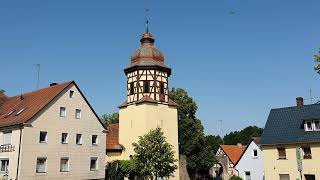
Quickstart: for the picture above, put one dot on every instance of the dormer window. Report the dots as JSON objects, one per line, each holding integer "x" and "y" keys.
{"x": 308, "y": 126}
{"x": 312, "y": 125}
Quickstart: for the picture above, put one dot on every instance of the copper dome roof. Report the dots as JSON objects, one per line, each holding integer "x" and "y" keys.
{"x": 147, "y": 52}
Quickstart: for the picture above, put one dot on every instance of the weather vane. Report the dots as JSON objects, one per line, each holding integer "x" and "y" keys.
{"x": 147, "y": 19}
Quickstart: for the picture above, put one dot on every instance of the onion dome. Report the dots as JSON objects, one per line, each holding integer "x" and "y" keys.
{"x": 147, "y": 51}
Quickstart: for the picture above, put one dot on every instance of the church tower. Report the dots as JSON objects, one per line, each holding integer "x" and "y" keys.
{"x": 148, "y": 105}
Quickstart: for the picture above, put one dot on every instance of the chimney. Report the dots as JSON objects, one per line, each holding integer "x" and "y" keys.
{"x": 53, "y": 84}
{"x": 299, "y": 101}
{"x": 239, "y": 145}
{"x": 3, "y": 97}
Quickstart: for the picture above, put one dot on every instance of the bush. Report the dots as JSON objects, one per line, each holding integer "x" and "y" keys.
{"x": 234, "y": 177}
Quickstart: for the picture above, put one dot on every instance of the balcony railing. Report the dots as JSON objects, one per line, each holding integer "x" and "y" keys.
{"x": 6, "y": 148}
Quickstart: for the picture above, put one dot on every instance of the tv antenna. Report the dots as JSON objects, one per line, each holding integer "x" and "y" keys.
{"x": 311, "y": 96}
{"x": 38, "y": 75}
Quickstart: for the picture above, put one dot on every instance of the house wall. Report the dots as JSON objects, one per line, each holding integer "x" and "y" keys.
{"x": 49, "y": 120}
{"x": 273, "y": 166}
{"x": 13, "y": 155}
{"x": 250, "y": 163}
{"x": 138, "y": 120}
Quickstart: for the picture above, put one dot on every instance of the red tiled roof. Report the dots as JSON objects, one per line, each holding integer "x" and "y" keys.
{"x": 28, "y": 104}
{"x": 234, "y": 152}
{"x": 112, "y": 140}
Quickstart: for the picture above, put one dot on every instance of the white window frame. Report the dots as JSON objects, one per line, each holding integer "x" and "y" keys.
{"x": 80, "y": 113}
{"x": 68, "y": 164}
{"x": 97, "y": 163}
{"x": 46, "y": 163}
{"x": 245, "y": 175}
{"x": 306, "y": 125}
{"x": 80, "y": 142}
{"x": 65, "y": 111}
{"x": 6, "y": 166}
{"x": 4, "y": 134}
{"x": 71, "y": 94}
{"x": 67, "y": 135}
{"x": 46, "y": 138}
{"x": 97, "y": 140}
{"x": 314, "y": 125}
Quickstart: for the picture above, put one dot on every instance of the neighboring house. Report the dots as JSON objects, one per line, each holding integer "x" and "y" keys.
{"x": 250, "y": 165}
{"x": 147, "y": 105}
{"x": 243, "y": 161}
{"x": 291, "y": 143}
{"x": 51, "y": 133}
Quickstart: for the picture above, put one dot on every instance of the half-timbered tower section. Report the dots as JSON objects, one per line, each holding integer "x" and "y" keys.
{"x": 147, "y": 75}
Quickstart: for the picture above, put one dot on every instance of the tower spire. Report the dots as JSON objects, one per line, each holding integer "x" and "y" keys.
{"x": 147, "y": 20}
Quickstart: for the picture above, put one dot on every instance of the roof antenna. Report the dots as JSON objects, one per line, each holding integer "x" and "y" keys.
{"x": 38, "y": 75}
{"x": 147, "y": 19}
{"x": 311, "y": 96}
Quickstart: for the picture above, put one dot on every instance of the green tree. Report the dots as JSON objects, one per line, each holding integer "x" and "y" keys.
{"x": 154, "y": 155}
{"x": 213, "y": 142}
{"x": 110, "y": 118}
{"x": 121, "y": 169}
{"x": 243, "y": 136}
{"x": 317, "y": 60}
{"x": 200, "y": 157}
{"x": 234, "y": 177}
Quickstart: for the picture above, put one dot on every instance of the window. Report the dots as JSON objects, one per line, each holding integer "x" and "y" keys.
{"x": 63, "y": 111}
{"x": 94, "y": 139}
{"x": 284, "y": 176}
{"x": 310, "y": 177}
{"x": 4, "y": 165}
{"x": 306, "y": 153}
{"x": 255, "y": 153}
{"x": 282, "y": 153}
{"x": 20, "y": 111}
{"x": 78, "y": 113}
{"x": 41, "y": 165}
{"x": 64, "y": 164}
{"x": 7, "y": 137}
{"x": 43, "y": 137}
{"x": 131, "y": 88}
{"x": 79, "y": 139}
{"x": 71, "y": 94}
{"x": 64, "y": 138}
{"x": 317, "y": 125}
{"x": 161, "y": 88}
{"x": 93, "y": 164}
{"x": 247, "y": 175}
{"x": 146, "y": 87}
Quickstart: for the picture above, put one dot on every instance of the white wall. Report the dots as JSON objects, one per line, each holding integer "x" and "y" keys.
{"x": 249, "y": 163}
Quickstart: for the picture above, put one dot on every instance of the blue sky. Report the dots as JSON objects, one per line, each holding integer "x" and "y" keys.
{"x": 236, "y": 66}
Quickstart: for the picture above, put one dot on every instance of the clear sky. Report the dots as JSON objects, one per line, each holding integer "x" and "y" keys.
{"x": 237, "y": 58}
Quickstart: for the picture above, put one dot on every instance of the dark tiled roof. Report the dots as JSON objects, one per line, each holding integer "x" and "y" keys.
{"x": 285, "y": 125}
{"x": 28, "y": 104}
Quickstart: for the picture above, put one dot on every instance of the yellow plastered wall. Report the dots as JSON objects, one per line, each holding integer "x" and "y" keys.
{"x": 274, "y": 166}
{"x": 138, "y": 120}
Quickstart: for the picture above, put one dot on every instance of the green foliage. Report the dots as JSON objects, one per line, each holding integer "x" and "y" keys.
{"x": 243, "y": 136}
{"x": 213, "y": 142}
{"x": 154, "y": 155}
{"x": 121, "y": 169}
{"x": 200, "y": 156}
{"x": 234, "y": 177}
{"x": 110, "y": 118}
{"x": 317, "y": 60}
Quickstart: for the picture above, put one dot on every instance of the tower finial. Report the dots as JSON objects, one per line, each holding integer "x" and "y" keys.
{"x": 147, "y": 20}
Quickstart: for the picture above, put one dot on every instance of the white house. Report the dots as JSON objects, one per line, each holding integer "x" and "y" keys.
{"x": 51, "y": 133}
{"x": 250, "y": 165}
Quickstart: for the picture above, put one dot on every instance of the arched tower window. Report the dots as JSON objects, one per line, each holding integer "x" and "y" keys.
{"x": 146, "y": 87}
{"x": 131, "y": 88}
{"x": 161, "y": 88}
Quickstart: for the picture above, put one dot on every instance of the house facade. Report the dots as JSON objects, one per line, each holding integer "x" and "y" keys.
{"x": 250, "y": 165}
{"x": 243, "y": 161}
{"x": 147, "y": 105}
{"x": 291, "y": 143}
{"x": 51, "y": 133}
